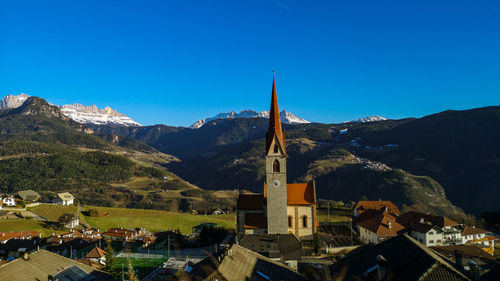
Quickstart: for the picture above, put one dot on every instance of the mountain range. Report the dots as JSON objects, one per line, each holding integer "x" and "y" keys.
{"x": 439, "y": 163}
{"x": 286, "y": 117}
{"x": 80, "y": 113}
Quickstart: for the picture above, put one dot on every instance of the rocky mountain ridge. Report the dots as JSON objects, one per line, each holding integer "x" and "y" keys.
{"x": 80, "y": 113}
{"x": 285, "y": 116}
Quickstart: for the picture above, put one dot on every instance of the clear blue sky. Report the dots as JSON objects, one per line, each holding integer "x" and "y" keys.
{"x": 174, "y": 62}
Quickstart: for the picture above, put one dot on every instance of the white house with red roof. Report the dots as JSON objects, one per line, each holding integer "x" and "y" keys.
{"x": 479, "y": 237}
{"x": 378, "y": 226}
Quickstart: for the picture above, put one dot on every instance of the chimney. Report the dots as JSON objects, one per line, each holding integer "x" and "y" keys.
{"x": 458, "y": 259}
{"x": 381, "y": 268}
{"x": 389, "y": 225}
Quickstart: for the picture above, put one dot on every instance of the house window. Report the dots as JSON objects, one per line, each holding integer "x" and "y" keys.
{"x": 304, "y": 221}
{"x": 276, "y": 150}
{"x": 276, "y": 166}
{"x": 431, "y": 242}
{"x": 289, "y": 221}
{"x": 430, "y": 232}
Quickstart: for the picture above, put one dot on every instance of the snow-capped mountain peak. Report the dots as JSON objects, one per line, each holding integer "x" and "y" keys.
{"x": 369, "y": 119}
{"x": 78, "y": 112}
{"x": 285, "y": 116}
{"x": 93, "y": 115}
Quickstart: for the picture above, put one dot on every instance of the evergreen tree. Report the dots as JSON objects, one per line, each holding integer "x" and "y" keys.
{"x": 111, "y": 262}
{"x": 317, "y": 244}
{"x": 131, "y": 272}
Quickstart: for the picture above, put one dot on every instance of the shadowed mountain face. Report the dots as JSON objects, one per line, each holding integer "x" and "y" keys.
{"x": 458, "y": 150}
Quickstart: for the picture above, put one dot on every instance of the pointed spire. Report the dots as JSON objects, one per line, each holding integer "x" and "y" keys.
{"x": 275, "y": 129}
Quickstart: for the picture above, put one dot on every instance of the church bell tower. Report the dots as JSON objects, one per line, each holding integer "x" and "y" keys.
{"x": 276, "y": 171}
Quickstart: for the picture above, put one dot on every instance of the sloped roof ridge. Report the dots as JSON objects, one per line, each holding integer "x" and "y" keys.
{"x": 435, "y": 256}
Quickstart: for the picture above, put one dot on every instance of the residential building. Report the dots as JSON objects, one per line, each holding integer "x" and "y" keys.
{"x": 20, "y": 235}
{"x": 386, "y": 206}
{"x": 97, "y": 255}
{"x": 44, "y": 265}
{"x": 29, "y": 195}
{"x": 451, "y": 231}
{"x": 68, "y": 221}
{"x": 479, "y": 237}
{"x": 398, "y": 258}
{"x": 283, "y": 208}
{"x": 279, "y": 247}
{"x": 378, "y": 227}
{"x": 9, "y": 201}
{"x": 64, "y": 198}
{"x": 426, "y": 233}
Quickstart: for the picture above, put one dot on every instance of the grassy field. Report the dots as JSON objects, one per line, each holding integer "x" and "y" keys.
{"x": 142, "y": 267}
{"x": 53, "y": 212}
{"x": 323, "y": 216}
{"x": 26, "y": 224}
{"x": 153, "y": 220}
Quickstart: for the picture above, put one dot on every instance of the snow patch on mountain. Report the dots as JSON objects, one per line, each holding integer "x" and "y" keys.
{"x": 285, "y": 116}
{"x": 79, "y": 113}
{"x": 92, "y": 115}
{"x": 369, "y": 119}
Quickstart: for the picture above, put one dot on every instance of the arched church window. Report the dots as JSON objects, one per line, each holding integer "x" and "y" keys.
{"x": 304, "y": 221}
{"x": 276, "y": 166}
{"x": 276, "y": 150}
{"x": 290, "y": 221}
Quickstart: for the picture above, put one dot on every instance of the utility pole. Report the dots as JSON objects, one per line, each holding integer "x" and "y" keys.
{"x": 328, "y": 207}
{"x": 350, "y": 228}
{"x": 168, "y": 249}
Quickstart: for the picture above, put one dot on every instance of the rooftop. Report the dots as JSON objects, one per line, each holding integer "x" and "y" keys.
{"x": 41, "y": 264}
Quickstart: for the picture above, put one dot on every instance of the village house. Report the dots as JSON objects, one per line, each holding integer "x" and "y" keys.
{"x": 64, "y": 198}
{"x": 450, "y": 231}
{"x": 480, "y": 238}
{"x": 426, "y": 233}
{"x": 9, "y": 201}
{"x": 97, "y": 255}
{"x": 385, "y": 206}
{"x": 21, "y": 235}
{"x": 16, "y": 243}
{"x": 375, "y": 226}
{"x": 137, "y": 235}
{"x": 29, "y": 195}
{"x": 399, "y": 258}
{"x": 68, "y": 221}
{"x": 74, "y": 247}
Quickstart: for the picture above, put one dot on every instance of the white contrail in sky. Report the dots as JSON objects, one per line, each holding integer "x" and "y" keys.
{"x": 281, "y": 4}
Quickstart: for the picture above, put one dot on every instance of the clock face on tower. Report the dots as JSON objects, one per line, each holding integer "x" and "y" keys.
{"x": 276, "y": 183}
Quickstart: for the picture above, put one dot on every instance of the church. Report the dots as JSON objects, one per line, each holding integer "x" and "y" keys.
{"x": 282, "y": 208}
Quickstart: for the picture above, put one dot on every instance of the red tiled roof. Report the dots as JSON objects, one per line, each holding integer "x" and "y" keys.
{"x": 18, "y": 235}
{"x": 379, "y": 224}
{"x": 473, "y": 230}
{"x": 250, "y": 202}
{"x": 412, "y": 217}
{"x": 255, "y": 220}
{"x": 377, "y": 205}
{"x": 95, "y": 253}
{"x": 298, "y": 193}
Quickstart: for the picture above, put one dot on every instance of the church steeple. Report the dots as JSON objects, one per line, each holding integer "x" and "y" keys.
{"x": 275, "y": 130}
